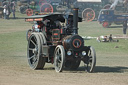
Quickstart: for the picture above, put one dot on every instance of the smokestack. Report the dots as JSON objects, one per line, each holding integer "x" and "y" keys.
{"x": 75, "y": 20}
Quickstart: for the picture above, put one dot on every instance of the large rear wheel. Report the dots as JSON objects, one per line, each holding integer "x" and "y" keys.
{"x": 34, "y": 55}
{"x": 59, "y": 58}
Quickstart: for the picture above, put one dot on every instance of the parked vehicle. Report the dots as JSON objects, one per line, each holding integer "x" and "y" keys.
{"x": 116, "y": 14}
{"x": 88, "y": 9}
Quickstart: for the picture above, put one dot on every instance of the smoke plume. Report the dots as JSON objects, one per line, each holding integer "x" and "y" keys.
{"x": 114, "y": 4}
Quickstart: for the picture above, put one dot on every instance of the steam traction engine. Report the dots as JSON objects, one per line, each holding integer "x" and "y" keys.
{"x": 54, "y": 39}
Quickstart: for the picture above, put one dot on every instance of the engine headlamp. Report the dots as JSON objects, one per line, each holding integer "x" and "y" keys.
{"x": 83, "y": 53}
{"x": 69, "y": 53}
{"x": 36, "y": 26}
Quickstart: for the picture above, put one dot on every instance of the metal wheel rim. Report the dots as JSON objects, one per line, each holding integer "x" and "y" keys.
{"x": 59, "y": 58}
{"x": 88, "y": 14}
{"x": 91, "y": 60}
{"x": 29, "y": 12}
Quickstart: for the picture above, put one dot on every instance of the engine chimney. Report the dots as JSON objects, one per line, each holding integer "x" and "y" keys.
{"x": 75, "y": 20}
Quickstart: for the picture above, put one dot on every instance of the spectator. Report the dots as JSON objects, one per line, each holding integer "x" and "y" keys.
{"x": 105, "y": 39}
{"x": 13, "y": 9}
{"x": 7, "y": 13}
{"x": 4, "y": 11}
{"x": 111, "y": 39}
{"x": 124, "y": 27}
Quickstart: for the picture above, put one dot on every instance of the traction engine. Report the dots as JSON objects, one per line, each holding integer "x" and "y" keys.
{"x": 54, "y": 39}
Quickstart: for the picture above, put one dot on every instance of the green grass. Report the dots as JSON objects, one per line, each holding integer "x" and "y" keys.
{"x": 96, "y": 29}
{"x": 13, "y": 42}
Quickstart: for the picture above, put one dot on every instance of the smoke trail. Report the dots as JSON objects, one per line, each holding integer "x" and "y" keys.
{"x": 75, "y": 4}
{"x": 114, "y": 4}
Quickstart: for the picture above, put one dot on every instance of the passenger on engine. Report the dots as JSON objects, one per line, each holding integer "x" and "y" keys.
{"x": 58, "y": 24}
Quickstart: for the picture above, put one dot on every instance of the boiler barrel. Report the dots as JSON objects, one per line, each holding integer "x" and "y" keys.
{"x": 73, "y": 42}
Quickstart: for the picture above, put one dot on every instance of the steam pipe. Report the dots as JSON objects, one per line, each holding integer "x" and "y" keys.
{"x": 75, "y": 20}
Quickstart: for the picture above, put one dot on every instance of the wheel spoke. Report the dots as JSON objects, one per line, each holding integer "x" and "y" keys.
{"x": 31, "y": 49}
{"x": 89, "y": 53}
{"x": 58, "y": 52}
{"x": 33, "y": 43}
{"x": 35, "y": 60}
{"x": 31, "y": 57}
{"x": 59, "y": 65}
{"x": 59, "y": 61}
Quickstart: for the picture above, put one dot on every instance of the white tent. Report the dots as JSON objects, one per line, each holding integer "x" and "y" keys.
{"x": 89, "y": 0}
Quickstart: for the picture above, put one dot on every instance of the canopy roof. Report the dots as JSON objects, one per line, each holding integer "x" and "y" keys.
{"x": 52, "y": 17}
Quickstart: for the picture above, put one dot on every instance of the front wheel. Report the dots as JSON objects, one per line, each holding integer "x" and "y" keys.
{"x": 59, "y": 58}
{"x": 91, "y": 60}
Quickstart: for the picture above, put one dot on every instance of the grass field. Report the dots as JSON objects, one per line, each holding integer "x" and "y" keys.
{"x": 111, "y": 67}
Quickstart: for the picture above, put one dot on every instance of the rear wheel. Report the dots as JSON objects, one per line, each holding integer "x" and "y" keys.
{"x": 34, "y": 55}
{"x": 59, "y": 58}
